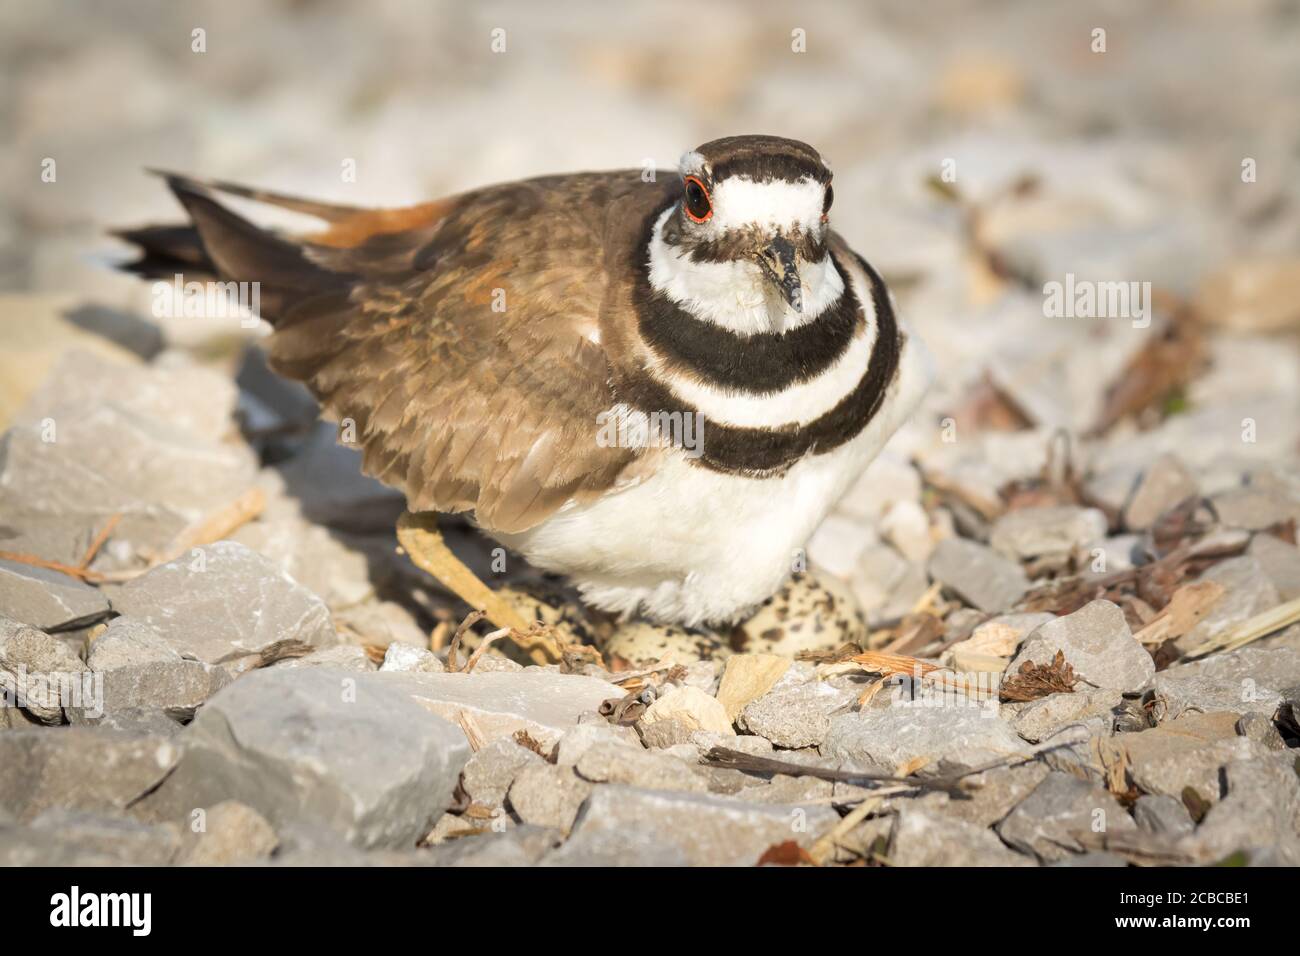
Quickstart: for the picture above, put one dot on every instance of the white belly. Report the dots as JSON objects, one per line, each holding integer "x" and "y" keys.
{"x": 691, "y": 545}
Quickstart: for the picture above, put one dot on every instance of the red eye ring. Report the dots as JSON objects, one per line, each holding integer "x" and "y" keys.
{"x": 692, "y": 200}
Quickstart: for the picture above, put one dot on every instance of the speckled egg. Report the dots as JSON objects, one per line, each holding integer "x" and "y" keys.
{"x": 813, "y": 611}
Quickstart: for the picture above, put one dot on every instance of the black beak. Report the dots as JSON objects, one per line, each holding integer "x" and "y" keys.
{"x": 777, "y": 260}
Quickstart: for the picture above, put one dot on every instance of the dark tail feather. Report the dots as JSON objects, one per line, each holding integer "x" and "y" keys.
{"x": 221, "y": 244}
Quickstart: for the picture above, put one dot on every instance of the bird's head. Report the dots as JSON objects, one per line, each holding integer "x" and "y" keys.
{"x": 761, "y": 199}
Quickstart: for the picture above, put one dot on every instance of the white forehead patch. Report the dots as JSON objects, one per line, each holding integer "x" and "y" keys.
{"x": 691, "y": 164}
{"x": 739, "y": 202}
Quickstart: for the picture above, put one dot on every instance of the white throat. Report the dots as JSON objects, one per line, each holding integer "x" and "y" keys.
{"x": 736, "y": 295}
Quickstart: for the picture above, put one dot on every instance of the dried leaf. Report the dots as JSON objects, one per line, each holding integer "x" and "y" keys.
{"x": 1038, "y": 680}
{"x": 788, "y": 853}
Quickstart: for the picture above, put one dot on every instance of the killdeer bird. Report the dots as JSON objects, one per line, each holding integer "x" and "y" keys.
{"x": 658, "y": 386}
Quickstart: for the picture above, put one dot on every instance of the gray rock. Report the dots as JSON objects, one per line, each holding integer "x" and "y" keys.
{"x": 577, "y": 741}
{"x": 489, "y": 772}
{"x": 1047, "y": 822}
{"x": 77, "y": 768}
{"x": 193, "y": 400}
{"x": 1280, "y": 561}
{"x": 108, "y": 460}
{"x": 926, "y": 839}
{"x": 1091, "y": 859}
{"x": 968, "y": 736}
{"x": 1039, "y": 719}
{"x": 634, "y": 766}
{"x": 1165, "y": 484}
{"x": 795, "y": 716}
{"x": 141, "y": 671}
{"x": 336, "y": 749}
{"x": 978, "y": 575}
{"x": 404, "y": 657}
{"x": 40, "y": 674}
{"x": 1050, "y": 531}
{"x": 348, "y": 657}
{"x": 520, "y": 846}
{"x": 1187, "y": 752}
{"x": 227, "y": 606}
{"x": 131, "y": 720}
{"x": 46, "y": 599}
{"x": 1260, "y": 729}
{"x": 1247, "y": 591}
{"x": 1254, "y": 508}
{"x": 228, "y": 833}
{"x": 1162, "y": 814}
{"x": 544, "y": 703}
{"x": 1097, "y": 642}
{"x": 1261, "y": 810}
{"x": 125, "y": 840}
{"x": 990, "y": 795}
{"x": 1247, "y": 680}
{"x": 548, "y": 796}
{"x": 635, "y": 826}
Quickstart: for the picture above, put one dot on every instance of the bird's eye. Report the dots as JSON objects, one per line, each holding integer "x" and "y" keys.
{"x": 698, "y": 206}
{"x": 827, "y": 200}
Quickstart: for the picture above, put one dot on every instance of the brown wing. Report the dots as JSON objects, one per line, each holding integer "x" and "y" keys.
{"x": 461, "y": 337}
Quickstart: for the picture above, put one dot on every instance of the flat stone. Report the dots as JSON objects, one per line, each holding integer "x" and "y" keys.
{"x": 194, "y": 400}
{"x": 906, "y": 526}
{"x": 577, "y": 741}
{"x": 107, "y": 460}
{"x": 926, "y": 839}
{"x": 1162, "y": 814}
{"x": 1261, "y": 810}
{"x": 1260, "y": 729}
{"x": 748, "y": 677}
{"x": 796, "y": 716}
{"x": 523, "y": 845}
{"x": 993, "y": 643}
{"x": 961, "y": 736}
{"x": 1166, "y": 483}
{"x": 1096, "y": 642}
{"x": 326, "y": 478}
{"x": 978, "y": 575}
{"x": 544, "y": 703}
{"x": 40, "y": 674}
{"x": 348, "y": 657}
{"x": 1187, "y": 752}
{"x": 692, "y": 707}
{"x": 1254, "y": 508}
{"x": 547, "y": 795}
{"x": 338, "y": 749}
{"x": 990, "y": 795}
{"x": 1039, "y": 719}
{"x": 226, "y": 606}
{"x": 637, "y": 767}
{"x": 125, "y": 840}
{"x": 78, "y": 768}
{"x": 142, "y": 671}
{"x": 488, "y": 774}
{"x": 634, "y": 825}
{"x": 1050, "y": 531}
{"x": 1247, "y": 680}
{"x": 1046, "y": 822}
{"x": 228, "y": 833}
{"x": 1281, "y": 563}
{"x": 1247, "y": 591}
{"x": 46, "y": 599}
{"x": 404, "y": 657}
